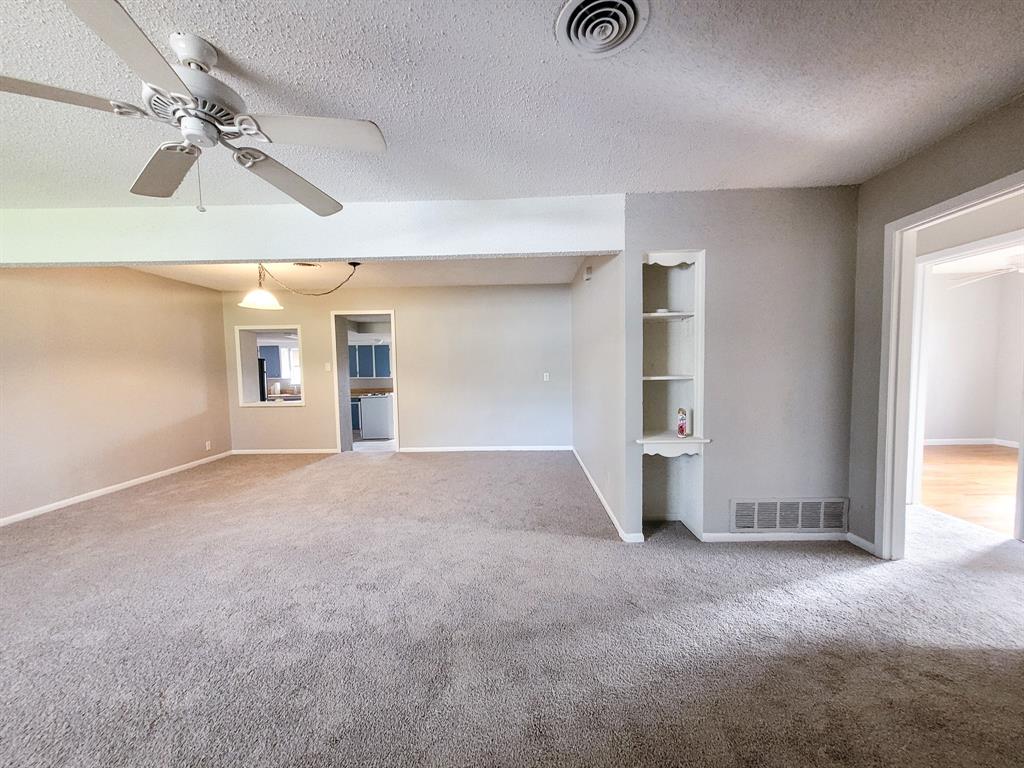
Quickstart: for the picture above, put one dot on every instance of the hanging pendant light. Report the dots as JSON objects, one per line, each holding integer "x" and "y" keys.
{"x": 260, "y": 298}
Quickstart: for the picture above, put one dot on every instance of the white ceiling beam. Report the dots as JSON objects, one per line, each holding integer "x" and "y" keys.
{"x": 363, "y": 231}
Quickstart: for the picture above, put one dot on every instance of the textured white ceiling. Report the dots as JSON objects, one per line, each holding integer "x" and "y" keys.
{"x": 477, "y": 100}
{"x": 520, "y": 270}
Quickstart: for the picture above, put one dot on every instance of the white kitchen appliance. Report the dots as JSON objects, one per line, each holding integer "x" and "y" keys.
{"x": 377, "y": 417}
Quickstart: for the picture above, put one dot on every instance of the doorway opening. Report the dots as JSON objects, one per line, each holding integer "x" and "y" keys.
{"x": 947, "y": 270}
{"x": 972, "y": 376}
{"x": 366, "y": 381}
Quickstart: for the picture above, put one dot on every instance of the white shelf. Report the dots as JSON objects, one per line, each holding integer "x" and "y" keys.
{"x": 667, "y": 315}
{"x": 673, "y": 258}
{"x": 669, "y": 445}
{"x": 670, "y": 377}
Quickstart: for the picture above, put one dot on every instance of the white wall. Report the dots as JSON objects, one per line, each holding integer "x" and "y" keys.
{"x": 287, "y": 232}
{"x": 1009, "y": 365}
{"x": 598, "y": 382}
{"x": 972, "y": 350}
{"x": 779, "y": 307}
{"x": 469, "y": 365}
{"x": 988, "y": 150}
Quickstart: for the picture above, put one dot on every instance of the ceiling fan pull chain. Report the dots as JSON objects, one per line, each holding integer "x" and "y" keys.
{"x": 199, "y": 181}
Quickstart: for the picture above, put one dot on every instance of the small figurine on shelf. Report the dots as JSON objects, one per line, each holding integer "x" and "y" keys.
{"x": 683, "y": 423}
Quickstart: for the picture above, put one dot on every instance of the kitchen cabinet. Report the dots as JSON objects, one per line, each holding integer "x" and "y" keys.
{"x": 273, "y": 357}
{"x": 354, "y": 405}
{"x": 382, "y": 361}
{"x": 364, "y": 361}
{"x": 368, "y": 361}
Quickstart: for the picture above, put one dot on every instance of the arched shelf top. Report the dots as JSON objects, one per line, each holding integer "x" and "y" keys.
{"x": 680, "y": 258}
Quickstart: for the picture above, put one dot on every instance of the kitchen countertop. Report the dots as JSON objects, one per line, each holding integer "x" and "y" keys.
{"x": 364, "y": 391}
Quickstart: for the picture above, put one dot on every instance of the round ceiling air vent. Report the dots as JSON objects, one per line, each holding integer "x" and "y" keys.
{"x": 596, "y": 28}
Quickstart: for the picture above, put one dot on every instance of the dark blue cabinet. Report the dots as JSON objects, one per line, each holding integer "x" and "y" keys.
{"x": 355, "y": 413}
{"x": 273, "y": 357}
{"x": 382, "y": 361}
{"x": 364, "y": 361}
{"x": 368, "y": 361}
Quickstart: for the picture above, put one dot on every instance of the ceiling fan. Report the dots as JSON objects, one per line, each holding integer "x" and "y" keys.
{"x": 207, "y": 112}
{"x": 1009, "y": 270}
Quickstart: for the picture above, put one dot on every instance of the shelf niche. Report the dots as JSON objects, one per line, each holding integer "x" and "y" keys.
{"x": 673, "y": 372}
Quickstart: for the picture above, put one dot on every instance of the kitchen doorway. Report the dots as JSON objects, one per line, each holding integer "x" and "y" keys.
{"x": 366, "y": 381}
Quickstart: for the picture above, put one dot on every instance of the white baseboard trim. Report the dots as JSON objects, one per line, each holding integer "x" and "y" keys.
{"x": 630, "y": 538}
{"x": 864, "y": 544}
{"x": 972, "y": 441}
{"x": 109, "y": 489}
{"x": 773, "y": 536}
{"x": 260, "y": 451}
{"x": 465, "y": 448}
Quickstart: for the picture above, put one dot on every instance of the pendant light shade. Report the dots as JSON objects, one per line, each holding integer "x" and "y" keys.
{"x": 260, "y": 298}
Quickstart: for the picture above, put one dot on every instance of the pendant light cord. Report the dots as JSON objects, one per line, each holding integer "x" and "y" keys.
{"x": 268, "y": 273}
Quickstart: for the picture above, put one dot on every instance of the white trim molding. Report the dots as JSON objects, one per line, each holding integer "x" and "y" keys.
{"x": 629, "y": 538}
{"x": 465, "y": 448}
{"x": 258, "y": 451}
{"x": 864, "y": 544}
{"x": 763, "y": 536}
{"x": 108, "y": 489}
{"x": 900, "y": 420}
{"x": 335, "y": 314}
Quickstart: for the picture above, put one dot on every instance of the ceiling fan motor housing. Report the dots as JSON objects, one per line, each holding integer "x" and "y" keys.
{"x": 215, "y": 103}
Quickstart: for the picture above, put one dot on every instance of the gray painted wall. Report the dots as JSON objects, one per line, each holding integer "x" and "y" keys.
{"x": 779, "y": 282}
{"x": 469, "y": 365}
{"x": 598, "y": 378}
{"x": 983, "y": 152}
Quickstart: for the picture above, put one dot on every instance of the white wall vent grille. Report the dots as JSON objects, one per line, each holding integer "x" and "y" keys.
{"x": 795, "y": 515}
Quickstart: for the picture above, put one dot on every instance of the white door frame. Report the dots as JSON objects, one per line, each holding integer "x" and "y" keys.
{"x": 394, "y": 369}
{"x": 900, "y": 421}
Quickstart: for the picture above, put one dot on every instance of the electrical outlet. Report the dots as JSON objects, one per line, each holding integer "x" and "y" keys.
{"x": 547, "y": 376}
{"x": 209, "y": 445}
{"x": 327, "y": 367}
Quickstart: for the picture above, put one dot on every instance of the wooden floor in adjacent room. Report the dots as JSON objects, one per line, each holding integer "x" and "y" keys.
{"x": 976, "y": 483}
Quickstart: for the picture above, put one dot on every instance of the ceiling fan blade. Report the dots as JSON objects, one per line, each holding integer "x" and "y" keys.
{"x": 286, "y": 180}
{"x": 115, "y": 27}
{"x": 355, "y": 135}
{"x": 51, "y": 93}
{"x": 166, "y": 170}
{"x": 985, "y": 276}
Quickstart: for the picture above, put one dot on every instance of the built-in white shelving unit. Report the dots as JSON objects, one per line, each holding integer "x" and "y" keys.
{"x": 673, "y": 343}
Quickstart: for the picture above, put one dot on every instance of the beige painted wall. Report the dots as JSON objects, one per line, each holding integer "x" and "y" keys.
{"x": 107, "y": 375}
{"x": 469, "y": 365}
{"x": 990, "y": 149}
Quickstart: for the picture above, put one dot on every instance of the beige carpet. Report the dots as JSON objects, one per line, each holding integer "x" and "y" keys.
{"x": 478, "y": 610}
